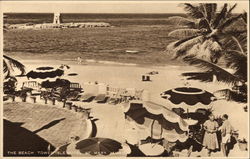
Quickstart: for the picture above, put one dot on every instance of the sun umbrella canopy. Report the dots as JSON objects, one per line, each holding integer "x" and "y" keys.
{"x": 98, "y": 146}
{"x": 57, "y": 83}
{"x": 45, "y": 74}
{"x": 162, "y": 121}
{"x": 188, "y": 95}
{"x": 45, "y": 68}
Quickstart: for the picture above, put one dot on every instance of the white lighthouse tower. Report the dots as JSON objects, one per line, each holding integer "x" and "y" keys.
{"x": 57, "y": 19}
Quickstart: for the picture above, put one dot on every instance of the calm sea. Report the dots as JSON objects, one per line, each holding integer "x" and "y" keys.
{"x": 113, "y": 19}
{"x": 145, "y": 33}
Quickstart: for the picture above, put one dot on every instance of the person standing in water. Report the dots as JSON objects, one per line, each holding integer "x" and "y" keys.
{"x": 210, "y": 141}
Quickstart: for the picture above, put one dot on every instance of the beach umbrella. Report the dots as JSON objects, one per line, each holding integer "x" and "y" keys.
{"x": 45, "y": 72}
{"x": 189, "y": 98}
{"x": 157, "y": 121}
{"x": 57, "y": 83}
{"x": 98, "y": 146}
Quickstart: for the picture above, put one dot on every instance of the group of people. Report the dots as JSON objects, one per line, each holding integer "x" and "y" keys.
{"x": 210, "y": 140}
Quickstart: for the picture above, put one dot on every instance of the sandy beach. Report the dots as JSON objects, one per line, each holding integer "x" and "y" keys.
{"x": 141, "y": 79}
{"x": 129, "y": 76}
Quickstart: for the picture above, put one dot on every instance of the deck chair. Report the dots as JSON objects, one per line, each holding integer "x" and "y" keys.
{"x": 33, "y": 86}
{"x": 88, "y": 97}
{"x": 138, "y": 94}
{"x": 116, "y": 98}
{"x": 101, "y": 98}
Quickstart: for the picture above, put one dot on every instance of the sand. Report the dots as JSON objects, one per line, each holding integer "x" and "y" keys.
{"x": 129, "y": 76}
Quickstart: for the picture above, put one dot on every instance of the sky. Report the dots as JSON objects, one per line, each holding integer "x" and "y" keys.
{"x": 99, "y": 6}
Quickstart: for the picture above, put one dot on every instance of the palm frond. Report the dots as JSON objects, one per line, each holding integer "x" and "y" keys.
{"x": 211, "y": 10}
{"x": 221, "y": 16}
{"x": 229, "y": 13}
{"x": 200, "y": 76}
{"x": 232, "y": 95}
{"x": 193, "y": 11}
{"x": 234, "y": 40}
{"x": 209, "y": 50}
{"x": 221, "y": 74}
{"x": 182, "y": 33}
{"x": 6, "y": 69}
{"x": 229, "y": 21}
{"x": 237, "y": 61}
{"x": 244, "y": 17}
{"x": 15, "y": 63}
{"x": 179, "y": 42}
{"x": 178, "y": 20}
{"x": 204, "y": 24}
{"x": 238, "y": 44}
{"x": 180, "y": 48}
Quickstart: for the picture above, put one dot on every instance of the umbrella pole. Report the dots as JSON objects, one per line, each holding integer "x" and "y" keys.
{"x": 161, "y": 131}
{"x": 188, "y": 117}
{"x": 152, "y": 125}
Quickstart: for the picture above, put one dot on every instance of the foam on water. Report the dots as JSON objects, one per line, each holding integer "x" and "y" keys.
{"x": 110, "y": 62}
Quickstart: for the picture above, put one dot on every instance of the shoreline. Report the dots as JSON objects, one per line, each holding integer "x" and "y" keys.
{"x": 95, "y": 61}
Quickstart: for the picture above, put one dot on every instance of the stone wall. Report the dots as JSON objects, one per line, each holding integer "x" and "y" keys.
{"x": 62, "y": 25}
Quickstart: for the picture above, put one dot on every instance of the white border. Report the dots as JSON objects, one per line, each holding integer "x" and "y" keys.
{"x": 120, "y": 2}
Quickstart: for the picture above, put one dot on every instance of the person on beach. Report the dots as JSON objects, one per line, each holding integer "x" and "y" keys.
{"x": 210, "y": 141}
{"x": 226, "y": 132}
{"x": 79, "y": 60}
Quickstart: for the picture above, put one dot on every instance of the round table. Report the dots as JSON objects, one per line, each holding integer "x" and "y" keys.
{"x": 151, "y": 149}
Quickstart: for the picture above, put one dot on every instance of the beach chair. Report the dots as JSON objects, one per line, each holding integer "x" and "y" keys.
{"x": 88, "y": 97}
{"x": 33, "y": 86}
{"x": 75, "y": 87}
{"x": 101, "y": 98}
{"x": 138, "y": 94}
{"x": 116, "y": 97}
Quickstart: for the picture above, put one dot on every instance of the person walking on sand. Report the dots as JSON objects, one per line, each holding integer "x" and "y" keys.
{"x": 210, "y": 141}
{"x": 226, "y": 131}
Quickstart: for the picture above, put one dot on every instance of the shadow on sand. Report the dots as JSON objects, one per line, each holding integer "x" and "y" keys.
{"x": 47, "y": 126}
{"x": 94, "y": 127}
{"x": 19, "y": 141}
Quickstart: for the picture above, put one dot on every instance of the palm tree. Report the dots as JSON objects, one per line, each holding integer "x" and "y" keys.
{"x": 9, "y": 64}
{"x": 203, "y": 32}
{"x": 235, "y": 57}
{"x": 208, "y": 36}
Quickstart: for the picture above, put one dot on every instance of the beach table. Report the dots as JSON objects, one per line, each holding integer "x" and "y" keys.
{"x": 151, "y": 149}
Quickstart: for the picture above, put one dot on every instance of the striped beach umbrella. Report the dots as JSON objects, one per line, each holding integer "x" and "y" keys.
{"x": 157, "y": 121}
{"x": 45, "y": 72}
{"x": 188, "y": 98}
{"x": 95, "y": 146}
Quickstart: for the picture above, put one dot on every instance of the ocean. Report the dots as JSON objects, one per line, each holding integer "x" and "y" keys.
{"x": 113, "y": 19}
{"x": 144, "y": 34}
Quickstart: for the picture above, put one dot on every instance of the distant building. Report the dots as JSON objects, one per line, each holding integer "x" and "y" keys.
{"x": 57, "y": 18}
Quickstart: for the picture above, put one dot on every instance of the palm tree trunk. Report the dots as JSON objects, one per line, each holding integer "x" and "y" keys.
{"x": 215, "y": 78}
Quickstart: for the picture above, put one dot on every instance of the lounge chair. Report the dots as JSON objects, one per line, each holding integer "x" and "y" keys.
{"x": 116, "y": 97}
{"x": 88, "y": 97}
{"x": 114, "y": 100}
{"x": 101, "y": 98}
{"x": 33, "y": 86}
